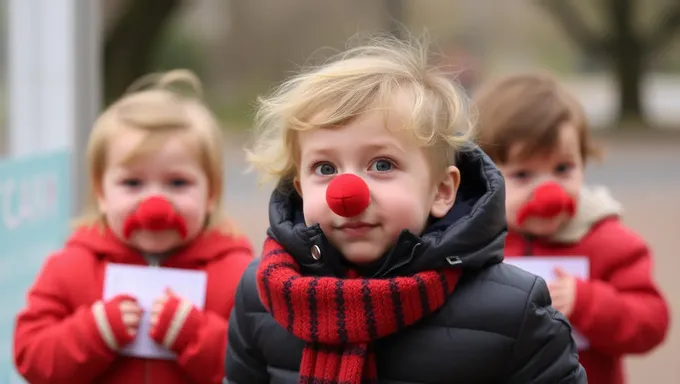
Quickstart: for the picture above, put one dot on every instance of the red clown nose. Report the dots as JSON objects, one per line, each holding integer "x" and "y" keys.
{"x": 347, "y": 195}
{"x": 155, "y": 214}
{"x": 548, "y": 201}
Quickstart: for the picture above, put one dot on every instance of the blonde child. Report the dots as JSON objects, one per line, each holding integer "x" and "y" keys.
{"x": 538, "y": 135}
{"x": 156, "y": 172}
{"x": 383, "y": 261}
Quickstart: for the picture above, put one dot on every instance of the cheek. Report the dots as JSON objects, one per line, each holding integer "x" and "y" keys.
{"x": 403, "y": 206}
{"x": 515, "y": 197}
{"x": 192, "y": 205}
{"x": 194, "y": 213}
{"x": 574, "y": 184}
{"x": 314, "y": 207}
{"x": 119, "y": 205}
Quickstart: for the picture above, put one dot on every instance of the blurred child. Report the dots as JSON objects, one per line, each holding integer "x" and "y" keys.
{"x": 383, "y": 261}
{"x": 156, "y": 175}
{"x": 537, "y": 134}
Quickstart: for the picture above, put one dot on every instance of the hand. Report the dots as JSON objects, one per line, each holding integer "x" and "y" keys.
{"x": 171, "y": 312}
{"x": 131, "y": 313}
{"x": 157, "y": 307}
{"x": 563, "y": 291}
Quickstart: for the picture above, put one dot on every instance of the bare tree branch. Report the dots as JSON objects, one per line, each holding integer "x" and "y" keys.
{"x": 668, "y": 26}
{"x": 568, "y": 18}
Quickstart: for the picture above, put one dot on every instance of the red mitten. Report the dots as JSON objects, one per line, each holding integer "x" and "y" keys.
{"x": 109, "y": 320}
{"x": 177, "y": 325}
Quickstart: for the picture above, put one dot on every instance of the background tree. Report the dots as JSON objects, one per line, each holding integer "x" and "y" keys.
{"x": 131, "y": 38}
{"x": 625, "y": 49}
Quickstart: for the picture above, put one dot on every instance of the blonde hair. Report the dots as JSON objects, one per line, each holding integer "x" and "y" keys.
{"x": 161, "y": 106}
{"x": 352, "y": 83}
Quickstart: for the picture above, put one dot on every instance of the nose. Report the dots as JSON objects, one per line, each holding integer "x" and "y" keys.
{"x": 155, "y": 209}
{"x": 347, "y": 195}
{"x": 553, "y": 199}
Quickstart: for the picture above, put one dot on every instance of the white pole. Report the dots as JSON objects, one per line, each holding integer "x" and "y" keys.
{"x": 88, "y": 82}
{"x": 23, "y": 80}
{"x": 54, "y": 61}
{"x": 54, "y": 78}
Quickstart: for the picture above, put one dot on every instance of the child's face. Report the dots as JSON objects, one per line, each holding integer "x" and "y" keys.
{"x": 172, "y": 171}
{"x": 403, "y": 191}
{"x": 562, "y": 165}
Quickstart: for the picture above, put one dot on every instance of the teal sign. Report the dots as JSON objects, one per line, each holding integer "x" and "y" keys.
{"x": 35, "y": 212}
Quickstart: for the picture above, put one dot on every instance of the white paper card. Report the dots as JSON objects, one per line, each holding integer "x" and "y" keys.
{"x": 147, "y": 284}
{"x": 544, "y": 267}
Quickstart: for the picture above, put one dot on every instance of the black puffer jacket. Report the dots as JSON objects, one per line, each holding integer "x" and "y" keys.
{"x": 496, "y": 327}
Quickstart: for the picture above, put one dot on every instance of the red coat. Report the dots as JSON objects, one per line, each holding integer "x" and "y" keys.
{"x": 57, "y": 340}
{"x": 619, "y": 310}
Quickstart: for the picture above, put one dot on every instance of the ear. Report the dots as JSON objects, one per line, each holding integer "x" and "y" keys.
{"x": 445, "y": 192}
{"x": 296, "y": 184}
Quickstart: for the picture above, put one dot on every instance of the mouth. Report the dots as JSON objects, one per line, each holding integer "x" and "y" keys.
{"x": 356, "y": 228}
{"x": 545, "y": 225}
{"x": 158, "y": 232}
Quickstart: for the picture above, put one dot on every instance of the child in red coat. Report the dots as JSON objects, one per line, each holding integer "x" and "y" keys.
{"x": 537, "y": 134}
{"x": 156, "y": 170}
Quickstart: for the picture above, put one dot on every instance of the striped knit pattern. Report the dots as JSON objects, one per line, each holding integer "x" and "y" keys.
{"x": 109, "y": 321}
{"x": 171, "y": 321}
{"x": 339, "y": 318}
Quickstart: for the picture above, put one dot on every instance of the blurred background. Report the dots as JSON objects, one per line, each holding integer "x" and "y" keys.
{"x": 620, "y": 57}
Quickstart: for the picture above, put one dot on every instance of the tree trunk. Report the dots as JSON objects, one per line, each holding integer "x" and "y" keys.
{"x": 129, "y": 46}
{"x": 629, "y": 76}
{"x": 628, "y": 60}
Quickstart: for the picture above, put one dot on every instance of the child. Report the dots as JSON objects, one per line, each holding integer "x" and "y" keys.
{"x": 156, "y": 170}
{"x": 537, "y": 134}
{"x": 383, "y": 262}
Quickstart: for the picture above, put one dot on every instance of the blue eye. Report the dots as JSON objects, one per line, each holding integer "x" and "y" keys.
{"x": 325, "y": 169}
{"x": 381, "y": 165}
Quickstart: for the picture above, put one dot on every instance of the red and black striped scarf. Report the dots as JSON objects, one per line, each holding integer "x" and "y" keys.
{"x": 339, "y": 318}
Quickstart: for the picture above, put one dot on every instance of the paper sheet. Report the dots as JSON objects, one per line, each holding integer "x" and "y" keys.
{"x": 147, "y": 284}
{"x": 578, "y": 266}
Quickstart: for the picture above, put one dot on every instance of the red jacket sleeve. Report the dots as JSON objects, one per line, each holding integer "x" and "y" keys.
{"x": 52, "y": 342}
{"x": 200, "y": 337}
{"x": 624, "y": 313}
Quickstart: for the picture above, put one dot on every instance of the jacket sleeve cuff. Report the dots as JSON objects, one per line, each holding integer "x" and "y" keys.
{"x": 177, "y": 324}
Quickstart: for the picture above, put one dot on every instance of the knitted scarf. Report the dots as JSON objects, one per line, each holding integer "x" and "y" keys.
{"x": 339, "y": 318}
